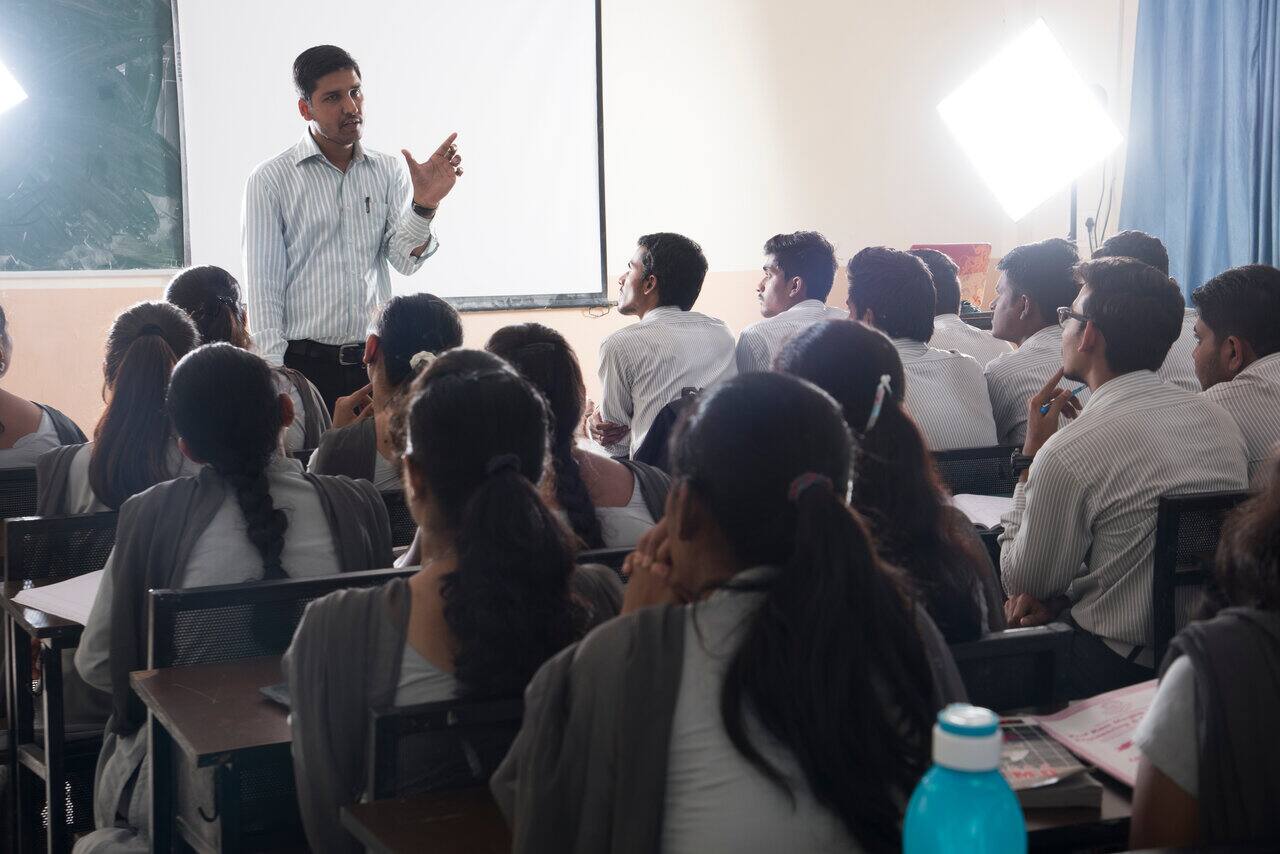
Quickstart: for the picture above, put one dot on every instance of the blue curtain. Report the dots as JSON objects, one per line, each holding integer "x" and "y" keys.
{"x": 1202, "y": 170}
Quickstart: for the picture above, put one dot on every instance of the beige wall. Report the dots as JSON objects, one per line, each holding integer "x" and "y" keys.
{"x": 728, "y": 120}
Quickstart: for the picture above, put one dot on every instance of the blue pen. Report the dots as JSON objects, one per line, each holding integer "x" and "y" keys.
{"x": 1044, "y": 410}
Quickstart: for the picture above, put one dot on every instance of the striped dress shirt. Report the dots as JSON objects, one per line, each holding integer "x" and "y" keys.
{"x": 643, "y": 367}
{"x": 946, "y": 396}
{"x": 1178, "y": 368}
{"x": 760, "y": 343}
{"x": 317, "y": 243}
{"x": 1014, "y": 377}
{"x": 1083, "y": 524}
{"x": 1253, "y": 399}
{"x": 950, "y": 332}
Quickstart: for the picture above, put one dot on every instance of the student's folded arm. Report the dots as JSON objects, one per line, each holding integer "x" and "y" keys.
{"x": 405, "y": 231}
{"x": 1047, "y": 533}
{"x": 265, "y": 264}
{"x": 93, "y": 661}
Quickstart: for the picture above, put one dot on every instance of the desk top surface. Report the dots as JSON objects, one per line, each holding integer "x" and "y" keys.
{"x": 215, "y": 709}
{"x": 465, "y": 821}
{"x": 37, "y": 624}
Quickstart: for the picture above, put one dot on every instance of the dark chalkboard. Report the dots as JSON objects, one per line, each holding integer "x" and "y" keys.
{"x": 91, "y": 161}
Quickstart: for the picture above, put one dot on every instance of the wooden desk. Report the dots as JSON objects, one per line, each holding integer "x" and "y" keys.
{"x": 466, "y": 822}
{"x": 1073, "y": 828}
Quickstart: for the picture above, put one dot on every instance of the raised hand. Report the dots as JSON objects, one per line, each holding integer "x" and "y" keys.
{"x": 434, "y": 177}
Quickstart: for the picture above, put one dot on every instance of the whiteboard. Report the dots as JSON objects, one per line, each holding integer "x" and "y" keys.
{"x": 519, "y": 80}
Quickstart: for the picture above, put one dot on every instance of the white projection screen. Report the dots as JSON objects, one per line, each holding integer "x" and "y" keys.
{"x": 519, "y": 80}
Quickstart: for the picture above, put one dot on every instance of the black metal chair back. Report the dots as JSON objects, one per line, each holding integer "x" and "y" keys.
{"x": 403, "y": 527}
{"x": 1016, "y": 668}
{"x": 57, "y": 547}
{"x": 1187, "y": 530}
{"x": 654, "y": 449}
{"x": 436, "y": 747}
{"x": 17, "y": 492}
{"x": 978, "y": 319}
{"x": 611, "y": 558}
{"x": 977, "y": 471}
{"x": 302, "y": 455}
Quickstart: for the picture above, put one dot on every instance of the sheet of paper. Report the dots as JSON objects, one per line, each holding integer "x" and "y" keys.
{"x": 1100, "y": 730}
{"x": 984, "y": 510}
{"x": 71, "y": 599}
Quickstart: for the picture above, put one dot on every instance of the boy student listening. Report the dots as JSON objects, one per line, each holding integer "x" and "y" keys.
{"x": 1035, "y": 279}
{"x": 646, "y": 365}
{"x": 134, "y": 446}
{"x": 946, "y": 394}
{"x": 1237, "y": 354}
{"x": 211, "y": 296}
{"x": 250, "y": 514}
{"x": 1177, "y": 367}
{"x": 1078, "y": 541}
{"x": 799, "y": 270}
{"x": 407, "y": 336}
{"x": 496, "y": 596}
{"x": 28, "y": 430}
{"x": 786, "y": 707}
{"x": 949, "y": 331}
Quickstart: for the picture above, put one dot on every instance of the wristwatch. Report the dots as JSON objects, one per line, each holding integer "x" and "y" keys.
{"x": 423, "y": 211}
{"x": 1019, "y": 462}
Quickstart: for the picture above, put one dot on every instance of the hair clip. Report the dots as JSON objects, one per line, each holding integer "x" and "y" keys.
{"x": 502, "y": 462}
{"x": 421, "y": 359}
{"x": 881, "y": 390}
{"x": 803, "y": 482}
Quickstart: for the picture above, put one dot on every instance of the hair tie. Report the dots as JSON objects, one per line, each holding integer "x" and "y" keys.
{"x": 804, "y": 481}
{"x": 881, "y": 390}
{"x": 150, "y": 329}
{"x": 421, "y": 359}
{"x": 501, "y": 463}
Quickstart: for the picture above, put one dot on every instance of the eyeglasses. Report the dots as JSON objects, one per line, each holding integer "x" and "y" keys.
{"x": 1065, "y": 313}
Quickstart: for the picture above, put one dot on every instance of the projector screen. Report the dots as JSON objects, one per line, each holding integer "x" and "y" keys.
{"x": 518, "y": 80}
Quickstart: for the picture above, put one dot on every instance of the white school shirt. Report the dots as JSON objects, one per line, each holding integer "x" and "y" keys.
{"x": 1178, "y": 368}
{"x": 622, "y": 527}
{"x": 1015, "y": 376}
{"x": 318, "y": 244}
{"x": 1084, "y": 522}
{"x": 950, "y": 332}
{"x": 1253, "y": 400}
{"x": 32, "y": 446}
{"x": 760, "y": 343}
{"x": 947, "y": 396}
{"x": 1168, "y": 735}
{"x": 80, "y": 495}
{"x": 644, "y": 366}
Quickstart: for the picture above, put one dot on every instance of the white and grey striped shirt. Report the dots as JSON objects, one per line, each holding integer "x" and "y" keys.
{"x": 1084, "y": 522}
{"x": 950, "y": 332}
{"x": 1253, "y": 399}
{"x": 1014, "y": 377}
{"x": 946, "y": 396}
{"x": 317, "y": 243}
{"x": 760, "y": 343}
{"x": 643, "y": 367}
{"x": 1178, "y": 368}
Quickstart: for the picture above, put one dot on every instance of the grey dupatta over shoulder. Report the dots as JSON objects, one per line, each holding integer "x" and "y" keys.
{"x": 351, "y": 450}
{"x": 315, "y": 415}
{"x": 156, "y": 532}
{"x": 68, "y": 431}
{"x": 52, "y": 470}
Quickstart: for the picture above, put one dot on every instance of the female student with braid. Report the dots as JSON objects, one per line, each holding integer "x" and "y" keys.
{"x": 496, "y": 596}
{"x": 898, "y": 490}
{"x": 211, "y": 296}
{"x": 133, "y": 446}
{"x": 28, "y": 429}
{"x": 251, "y": 513}
{"x": 409, "y": 333}
{"x": 609, "y": 503}
{"x": 788, "y": 708}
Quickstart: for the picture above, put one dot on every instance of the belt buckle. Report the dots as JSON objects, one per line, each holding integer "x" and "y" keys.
{"x": 356, "y": 356}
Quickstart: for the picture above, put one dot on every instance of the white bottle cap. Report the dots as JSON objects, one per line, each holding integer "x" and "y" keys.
{"x": 967, "y": 738}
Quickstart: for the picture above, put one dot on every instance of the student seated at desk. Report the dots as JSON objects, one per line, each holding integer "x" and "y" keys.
{"x": 787, "y": 707}
{"x": 212, "y": 297}
{"x": 1210, "y": 769}
{"x": 496, "y": 596}
{"x": 898, "y": 490}
{"x": 950, "y": 332}
{"x": 28, "y": 430}
{"x": 251, "y": 513}
{"x": 409, "y": 333}
{"x": 608, "y": 503}
{"x": 133, "y": 446}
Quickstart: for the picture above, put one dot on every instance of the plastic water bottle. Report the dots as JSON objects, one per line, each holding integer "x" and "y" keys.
{"x": 962, "y": 803}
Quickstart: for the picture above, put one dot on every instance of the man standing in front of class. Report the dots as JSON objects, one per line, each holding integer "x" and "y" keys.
{"x": 323, "y": 220}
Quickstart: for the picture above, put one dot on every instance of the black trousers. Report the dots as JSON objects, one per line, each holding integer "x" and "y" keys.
{"x": 1094, "y": 668}
{"x": 321, "y": 364}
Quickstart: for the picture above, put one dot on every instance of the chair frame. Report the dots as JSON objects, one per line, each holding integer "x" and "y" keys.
{"x": 996, "y": 453}
{"x": 1049, "y": 644}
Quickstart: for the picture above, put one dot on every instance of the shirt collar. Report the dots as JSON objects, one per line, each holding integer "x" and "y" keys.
{"x": 661, "y": 312}
{"x": 910, "y": 347}
{"x": 1042, "y": 337}
{"x": 946, "y": 320}
{"x": 1268, "y": 367}
{"x": 307, "y": 148}
{"x": 1123, "y": 386}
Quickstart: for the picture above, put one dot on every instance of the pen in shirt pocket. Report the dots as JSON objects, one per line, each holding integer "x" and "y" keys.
{"x": 367, "y": 208}
{"x": 1044, "y": 410}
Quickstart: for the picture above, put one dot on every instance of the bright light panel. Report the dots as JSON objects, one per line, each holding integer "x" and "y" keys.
{"x": 11, "y": 94}
{"x": 1028, "y": 122}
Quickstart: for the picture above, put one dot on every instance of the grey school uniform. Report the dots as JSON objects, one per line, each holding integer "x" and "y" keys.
{"x": 62, "y": 479}
{"x": 353, "y": 451}
{"x": 53, "y": 430}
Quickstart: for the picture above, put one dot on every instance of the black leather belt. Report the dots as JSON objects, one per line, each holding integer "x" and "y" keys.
{"x": 347, "y": 355}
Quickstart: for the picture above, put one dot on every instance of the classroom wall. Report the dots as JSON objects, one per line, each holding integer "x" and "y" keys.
{"x": 728, "y": 120}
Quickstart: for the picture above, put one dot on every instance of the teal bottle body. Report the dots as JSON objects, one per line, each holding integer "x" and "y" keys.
{"x": 971, "y": 811}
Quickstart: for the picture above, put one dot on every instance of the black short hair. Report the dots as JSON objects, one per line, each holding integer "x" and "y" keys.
{"x": 1137, "y": 308}
{"x": 677, "y": 263}
{"x": 897, "y": 287}
{"x": 806, "y": 254}
{"x": 314, "y": 63}
{"x": 1137, "y": 245}
{"x": 1045, "y": 272}
{"x": 946, "y": 279}
{"x": 1245, "y": 302}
